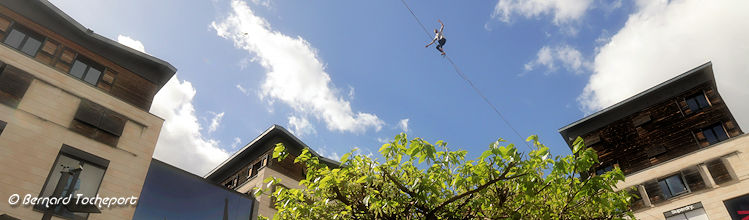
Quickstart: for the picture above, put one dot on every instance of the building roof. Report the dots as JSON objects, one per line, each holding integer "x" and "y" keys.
{"x": 659, "y": 93}
{"x": 44, "y": 13}
{"x": 257, "y": 147}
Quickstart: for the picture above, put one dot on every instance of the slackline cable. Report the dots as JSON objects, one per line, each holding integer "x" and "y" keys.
{"x": 470, "y": 83}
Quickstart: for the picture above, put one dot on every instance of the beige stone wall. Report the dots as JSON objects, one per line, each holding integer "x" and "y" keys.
{"x": 263, "y": 206}
{"x": 734, "y": 150}
{"x": 38, "y": 128}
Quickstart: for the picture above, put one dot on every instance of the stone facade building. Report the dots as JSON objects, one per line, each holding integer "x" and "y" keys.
{"x": 683, "y": 154}
{"x": 73, "y": 114}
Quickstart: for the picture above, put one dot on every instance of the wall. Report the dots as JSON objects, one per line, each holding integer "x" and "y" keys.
{"x": 39, "y": 126}
{"x": 735, "y": 153}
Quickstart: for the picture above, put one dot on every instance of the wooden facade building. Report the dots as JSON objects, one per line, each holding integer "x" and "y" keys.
{"x": 252, "y": 164}
{"x": 675, "y": 142}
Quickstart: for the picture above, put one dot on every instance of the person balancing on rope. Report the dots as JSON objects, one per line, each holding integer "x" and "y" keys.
{"x": 439, "y": 37}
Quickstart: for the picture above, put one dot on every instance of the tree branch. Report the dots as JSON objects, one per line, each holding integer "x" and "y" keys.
{"x": 482, "y": 187}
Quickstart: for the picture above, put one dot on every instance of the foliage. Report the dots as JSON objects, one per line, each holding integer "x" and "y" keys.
{"x": 420, "y": 180}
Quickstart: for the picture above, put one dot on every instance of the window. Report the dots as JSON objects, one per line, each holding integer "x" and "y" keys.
{"x": 231, "y": 183}
{"x": 24, "y": 40}
{"x": 74, "y": 172}
{"x": 98, "y": 123}
{"x": 715, "y": 133}
{"x": 256, "y": 168}
{"x": 672, "y": 186}
{"x": 13, "y": 84}
{"x": 603, "y": 170}
{"x": 693, "y": 178}
{"x": 696, "y": 214}
{"x": 697, "y": 101}
{"x": 738, "y": 208}
{"x": 86, "y": 70}
{"x": 718, "y": 171}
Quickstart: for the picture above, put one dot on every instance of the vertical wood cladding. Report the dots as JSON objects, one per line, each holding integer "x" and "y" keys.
{"x": 60, "y": 53}
{"x": 660, "y": 132}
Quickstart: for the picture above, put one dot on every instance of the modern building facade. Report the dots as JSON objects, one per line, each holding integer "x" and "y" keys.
{"x": 683, "y": 154}
{"x": 252, "y": 164}
{"x": 172, "y": 193}
{"x": 73, "y": 114}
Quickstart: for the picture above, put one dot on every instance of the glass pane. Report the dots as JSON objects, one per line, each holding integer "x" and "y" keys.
{"x": 664, "y": 188}
{"x": 677, "y": 217}
{"x": 676, "y": 185}
{"x": 14, "y": 38}
{"x": 92, "y": 76}
{"x": 710, "y": 136}
{"x": 78, "y": 69}
{"x": 89, "y": 180}
{"x": 702, "y": 100}
{"x": 31, "y": 46}
{"x": 64, "y": 163}
{"x": 693, "y": 104}
{"x": 720, "y": 133}
{"x": 697, "y": 214}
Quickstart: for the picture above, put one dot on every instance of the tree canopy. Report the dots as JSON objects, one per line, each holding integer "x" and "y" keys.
{"x": 421, "y": 180}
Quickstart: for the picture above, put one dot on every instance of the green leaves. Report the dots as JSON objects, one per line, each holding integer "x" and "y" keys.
{"x": 419, "y": 180}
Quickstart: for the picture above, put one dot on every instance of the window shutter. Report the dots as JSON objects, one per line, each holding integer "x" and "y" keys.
{"x": 112, "y": 123}
{"x": 89, "y": 113}
{"x": 693, "y": 178}
{"x": 718, "y": 171}
{"x": 13, "y": 84}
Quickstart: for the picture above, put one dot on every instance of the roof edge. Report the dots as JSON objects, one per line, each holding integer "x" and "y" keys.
{"x": 638, "y": 95}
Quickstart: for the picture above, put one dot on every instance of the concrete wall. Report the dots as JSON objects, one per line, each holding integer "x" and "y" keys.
{"x": 734, "y": 151}
{"x": 38, "y": 128}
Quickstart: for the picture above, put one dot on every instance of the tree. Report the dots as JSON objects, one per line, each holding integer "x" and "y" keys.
{"x": 420, "y": 180}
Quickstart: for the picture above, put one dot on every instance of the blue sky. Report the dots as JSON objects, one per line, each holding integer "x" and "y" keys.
{"x": 345, "y": 74}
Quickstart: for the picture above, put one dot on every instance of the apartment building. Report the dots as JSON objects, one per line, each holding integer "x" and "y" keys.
{"x": 252, "y": 164}
{"x": 683, "y": 154}
{"x": 73, "y": 114}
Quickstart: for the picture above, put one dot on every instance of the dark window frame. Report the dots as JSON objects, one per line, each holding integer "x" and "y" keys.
{"x": 28, "y": 33}
{"x": 711, "y": 129}
{"x": 695, "y": 99}
{"x": 79, "y": 155}
{"x": 671, "y": 195}
{"x": 90, "y": 63}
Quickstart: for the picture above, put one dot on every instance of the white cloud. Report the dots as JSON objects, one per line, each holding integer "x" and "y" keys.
{"x": 215, "y": 122}
{"x": 570, "y": 58}
{"x": 236, "y": 143}
{"x": 301, "y": 126}
{"x": 295, "y": 75}
{"x": 403, "y": 124}
{"x": 384, "y": 140}
{"x": 132, "y": 43}
{"x": 264, "y": 3}
{"x": 243, "y": 90}
{"x": 666, "y": 38}
{"x": 563, "y": 11}
{"x": 181, "y": 142}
